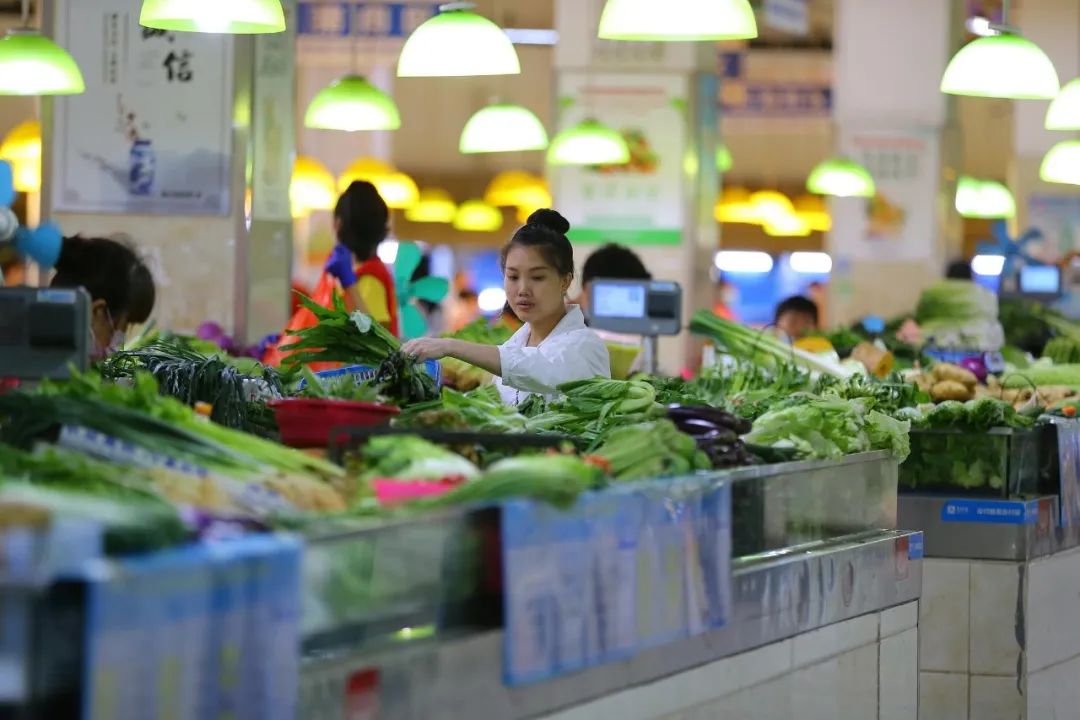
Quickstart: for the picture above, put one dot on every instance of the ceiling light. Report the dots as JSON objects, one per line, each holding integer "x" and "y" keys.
{"x": 433, "y": 206}
{"x": 1001, "y": 66}
{"x": 985, "y": 199}
{"x": 743, "y": 261}
{"x": 678, "y": 20}
{"x": 988, "y": 265}
{"x": 841, "y": 177}
{"x": 311, "y": 186}
{"x": 810, "y": 263}
{"x": 233, "y": 17}
{"x": 32, "y": 64}
{"x": 456, "y": 43}
{"x": 503, "y": 128}
{"x": 351, "y": 103}
{"x": 478, "y": 216}
{"x": 1064, "y": 110}
{"x": 589, "y": 143}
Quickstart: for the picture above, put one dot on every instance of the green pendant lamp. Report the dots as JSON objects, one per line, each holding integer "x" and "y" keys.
{"x": 841, "y": 177}
{"x": 1064, "y": 110}
{"x": 230, "y": 17}
{"x": 1062, "y": 163}
{"x": 32, "y": 64}
{"x": 723, "y": 158}
{"x": 984, "y": 199}
{"x": 458, "y": 43}
{"x": 503, "y": 128}
{"x": 589, "y": 143}
{"x": 678, "y": 20}
{"x": 1001, "y": 66}
{"x": 352, "y": 103}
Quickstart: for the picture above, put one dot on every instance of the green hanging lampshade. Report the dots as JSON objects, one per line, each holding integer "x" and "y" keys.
{"x": 678, "y": 20}
{"x": 1064, "y": 110}
{"x": 984, "y": 199}
{"x": 231, "y": 17}
{"x": 458, "y": 43}
{"x": 589, "y": 143}
{"x": 32, "y": 64}
{"x": 723, "y": 158}
{"x": 1062, "y": 163}
{"x": 352, "y": 103}
{"x": 503, "y": 128}
{"x": 1001, "y": 66}
{"x": 841, "y": 177}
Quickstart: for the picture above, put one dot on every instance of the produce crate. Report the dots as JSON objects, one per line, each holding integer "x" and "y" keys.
{"x": 1002, "y": 462}
{"x": 363, "y": 373}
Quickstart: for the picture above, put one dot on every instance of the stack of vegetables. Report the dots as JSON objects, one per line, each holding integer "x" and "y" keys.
{"x": 959, "y": 314}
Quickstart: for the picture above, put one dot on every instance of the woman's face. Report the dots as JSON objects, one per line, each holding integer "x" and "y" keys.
{"x": 534, "y": 288}
{"x": 107, "y": 331}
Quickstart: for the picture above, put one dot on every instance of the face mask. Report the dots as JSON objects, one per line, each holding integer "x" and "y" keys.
{"x": 116, "y": 341}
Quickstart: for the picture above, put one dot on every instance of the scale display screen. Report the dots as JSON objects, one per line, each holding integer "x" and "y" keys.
{"x": 1040, "y": 280}
{"x": 619, "y": 301}
{"x": 635, "y": 307}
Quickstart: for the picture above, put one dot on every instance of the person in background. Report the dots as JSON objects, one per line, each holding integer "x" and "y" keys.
{"x": 466, "y": 309}
{"x": 361, "y": 222}
{"x": 725, "y": 295}
{"x": 120, "y": 286}
{"x": 553, "y": 346}
{"x": 614, "y": 262}
{"x": 818, "y": 293}
{"x": 796, "y": 317}
{"x": 959, "y": 270}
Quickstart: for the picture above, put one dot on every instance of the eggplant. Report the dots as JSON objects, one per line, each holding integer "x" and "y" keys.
{"x": 716, "y": 416}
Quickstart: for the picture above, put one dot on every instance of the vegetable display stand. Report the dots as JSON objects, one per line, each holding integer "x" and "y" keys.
{"x": 1001, "y": 462}
{"x": 631, "y": 589}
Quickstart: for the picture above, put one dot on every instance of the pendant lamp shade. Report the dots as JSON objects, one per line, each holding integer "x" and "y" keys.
{"x": 352, "y": 104}
{"x": 678, "y": 20}
{"x": 398, "y": 190}
{"x": 589, "y": 143}
{"x": 503, "y": 128}
{"x": 1001, "y": 66}
{"x": 984, "y": 199}
{"x": 458, "y": 43}
{"x": 508, "y": 188}
{"x": 230, "y": 17}
{"x": 477, "y": 216}
{"x": 1064, "y": 110}
{"x": 433, "y": 206}
{"x": 733, "y": 206}
{"x": 32, "y": 64}
{"x": 311, "y": 186}
{"x": 364, "y": 168}
{"x": 813, "y": 211}
{"x": 841, "y": 177}
{"x": 1062, "y": 163}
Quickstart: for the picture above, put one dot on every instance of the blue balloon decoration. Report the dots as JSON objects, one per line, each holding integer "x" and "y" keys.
{"x": 42, "y": 244}
{"x": 7, "y": 184}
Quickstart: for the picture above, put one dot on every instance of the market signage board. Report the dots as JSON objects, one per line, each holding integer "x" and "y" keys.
{"x": 152, "y": 134}
{"x": 790, "y": 16}
{"x": 362, "y": 19}
{"x": 640, "y": 203}
{"x": 622, "y": 571}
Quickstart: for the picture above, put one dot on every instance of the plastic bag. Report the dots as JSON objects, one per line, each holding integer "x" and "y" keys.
{"x": 304, "y": 318}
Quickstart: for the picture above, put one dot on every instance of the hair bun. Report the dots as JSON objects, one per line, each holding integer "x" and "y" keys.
{"x": 550, "y": 219}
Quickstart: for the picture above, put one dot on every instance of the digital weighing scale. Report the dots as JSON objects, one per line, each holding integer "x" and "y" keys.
{"x": 649, "y": 308}
{"x": 44, "y": 332}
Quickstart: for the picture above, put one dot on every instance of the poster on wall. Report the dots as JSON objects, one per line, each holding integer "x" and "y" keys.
{"x": 151, "y": 134}
{"x": 899, "y": 222}
{"x": 1058, "y": 218}
{"x": 639, "y": 203}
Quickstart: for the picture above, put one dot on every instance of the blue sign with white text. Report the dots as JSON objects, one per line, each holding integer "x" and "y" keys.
{"x": 1002, "y": 512}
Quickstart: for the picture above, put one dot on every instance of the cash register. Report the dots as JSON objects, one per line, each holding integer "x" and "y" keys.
{"x": 44, "y": 332}
{"x": 648, "y": 308}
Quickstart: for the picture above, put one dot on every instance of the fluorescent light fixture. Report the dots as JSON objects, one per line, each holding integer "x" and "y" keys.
{"x": 988, "y": 265}
{"x": 749, "y": 262}
{"x": 491, "y": 300}
{"x": 810, "y": 263}
{"x": 387, "y": 251}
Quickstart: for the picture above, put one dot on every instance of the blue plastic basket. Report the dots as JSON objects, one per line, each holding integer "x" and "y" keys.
{"x": 363, "y": 372}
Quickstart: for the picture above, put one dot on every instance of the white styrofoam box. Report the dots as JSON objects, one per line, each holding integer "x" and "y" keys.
{"x": 943, "y": 615}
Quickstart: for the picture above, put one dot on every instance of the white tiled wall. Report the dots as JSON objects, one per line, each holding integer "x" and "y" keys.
{"x": 943, "y": 615}
{"x": 865, "y": 668}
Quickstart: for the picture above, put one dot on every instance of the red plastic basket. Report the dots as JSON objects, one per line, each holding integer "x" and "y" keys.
{"x": 307, "y": 422}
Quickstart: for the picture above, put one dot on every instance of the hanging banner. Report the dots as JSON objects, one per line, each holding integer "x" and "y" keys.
{"x": 152, "y": 133}
{"x": 899, "y": 222}
{"x": 639, "y": 203}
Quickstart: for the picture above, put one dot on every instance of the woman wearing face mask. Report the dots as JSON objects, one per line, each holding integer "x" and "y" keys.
{"x": 120, "y": 286}
{"x": 553, "y": 346}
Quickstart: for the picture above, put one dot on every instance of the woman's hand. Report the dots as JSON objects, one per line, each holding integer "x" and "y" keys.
{"x": 427, "y": 348}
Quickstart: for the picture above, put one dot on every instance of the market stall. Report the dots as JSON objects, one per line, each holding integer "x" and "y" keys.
{"x": 625, "y": 539}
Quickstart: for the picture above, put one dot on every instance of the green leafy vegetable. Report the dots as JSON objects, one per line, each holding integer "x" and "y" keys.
{"x": 339, "y": 336}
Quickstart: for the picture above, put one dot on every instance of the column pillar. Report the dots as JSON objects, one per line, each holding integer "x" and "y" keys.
{"x": 891, "y": 116}
{"x": 1054, "y": 25}
{"x": 663, "y": 96}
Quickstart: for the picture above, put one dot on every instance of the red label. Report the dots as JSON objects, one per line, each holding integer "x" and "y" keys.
{"x": 362, "y": 695}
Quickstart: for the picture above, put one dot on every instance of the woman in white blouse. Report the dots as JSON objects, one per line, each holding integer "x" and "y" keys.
{"x": 553, "y": 346}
